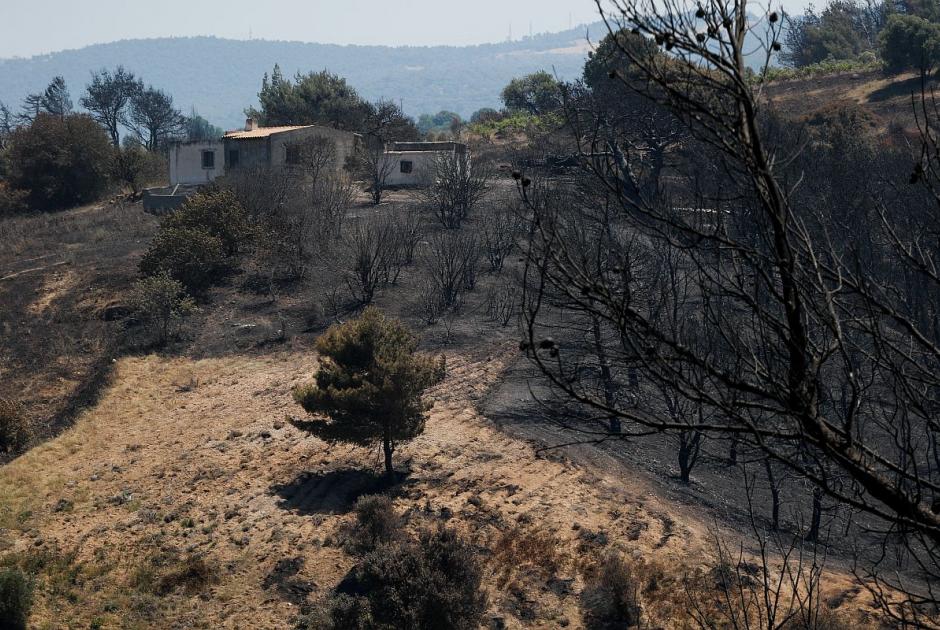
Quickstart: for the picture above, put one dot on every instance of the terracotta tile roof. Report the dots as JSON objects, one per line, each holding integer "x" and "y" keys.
{"x": 261, "y": 132}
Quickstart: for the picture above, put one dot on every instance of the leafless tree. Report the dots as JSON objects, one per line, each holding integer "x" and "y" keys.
{"x": 367, "y": 245}
{"x": 374, "y": 166}
{"x": 451, "y": 261}
{"x": 775, "y": 588}
{"x": 502, "y": 303}
{"x": 500, "y": 227}
{"x": 455, "y": 187}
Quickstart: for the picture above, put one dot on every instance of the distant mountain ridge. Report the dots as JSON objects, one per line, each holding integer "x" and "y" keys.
{"x": 221, "y": 77}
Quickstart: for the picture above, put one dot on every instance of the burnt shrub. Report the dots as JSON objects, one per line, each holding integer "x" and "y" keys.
{"x": 434, "y": 582}
{"x": 16, "y": 598}
{"x": 611, "y": 596}
{"x": 12, "y": 201}
{"x": 191, "y": 575}
{"x": 14, "y": 427}
{"x": 377, "y": 522}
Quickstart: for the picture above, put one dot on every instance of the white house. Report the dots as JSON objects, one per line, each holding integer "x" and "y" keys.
{"x": 412, "y": 164}
{"x": 195, "y": 163}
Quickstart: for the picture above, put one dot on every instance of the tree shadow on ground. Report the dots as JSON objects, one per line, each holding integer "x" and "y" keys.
{"x": 896, "y": 88}
{"x": 334, "y": 491}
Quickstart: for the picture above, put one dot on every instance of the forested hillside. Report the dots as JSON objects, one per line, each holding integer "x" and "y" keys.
{"x": 220, "y": 77}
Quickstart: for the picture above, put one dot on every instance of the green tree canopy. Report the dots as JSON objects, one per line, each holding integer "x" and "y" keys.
{"x": 107, "y": 99}
{"x": 370, "y": 383}
{"x": 441, "y": 121}
{"x": 324, "y": 98}
{"x": 536, "y": 93}
{"x": 610, "y": 56}
{"x": 843, "y": 30}
{"x": 60, "y": 160}
{"x": 909, "y": 42}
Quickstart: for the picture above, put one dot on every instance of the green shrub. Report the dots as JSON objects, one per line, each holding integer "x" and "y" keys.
{"x": 14, "y": 427}
{"x": 160, "y": 302}
{"x": 864, "y": 63}
{"x": 376, "y": 521}
{"x": 434, "y": 582}
{"x": 219, "y": 213}
{"x": 16, "y": 598}
{"x": 193, "y": 256}
{"x": 135, "y": 167}
{"x": 61, "y": 160}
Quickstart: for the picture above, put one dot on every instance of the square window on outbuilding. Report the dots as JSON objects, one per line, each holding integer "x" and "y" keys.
{"x": 407, "y": 166}
{"x": 208, "y": 159}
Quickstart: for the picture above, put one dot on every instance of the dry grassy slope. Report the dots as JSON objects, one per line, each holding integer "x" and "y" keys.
{"x": 185, "y": 457}
{"x": 888, "y": 98}
{"x": 58, "y": 271}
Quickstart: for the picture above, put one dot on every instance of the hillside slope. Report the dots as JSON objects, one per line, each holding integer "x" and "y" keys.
{"x": 221, "y": 77}
{"x": 186, "y": 459}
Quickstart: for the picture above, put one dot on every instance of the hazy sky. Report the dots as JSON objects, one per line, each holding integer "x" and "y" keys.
{"x": 30, "y": 27}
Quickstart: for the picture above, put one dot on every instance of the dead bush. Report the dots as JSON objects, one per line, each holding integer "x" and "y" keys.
{"x": 501, "y": 225}
{"x": 457, "y": 187}
{"x": 452, "y": 261}
{"x": 16, "y": 599}
{"x": 611, "y": 597}
{"x": 501, "y": 303}
{"x": 14, "y": 427}
{"x": 434, "y": 582}
{"x": 522, "y": 548}
{"x": 377, "y": 522}
{"x": 192, "y": 575}
{"x": 368, "y": 251}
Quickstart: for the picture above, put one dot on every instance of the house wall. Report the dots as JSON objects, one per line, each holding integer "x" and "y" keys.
{"x": 271, "y": 150}
{"x": 186, "y": 163}
{"x": 422, "y": 167}
{"x": 252, "y": 152}
{"x": 344, "y": 141}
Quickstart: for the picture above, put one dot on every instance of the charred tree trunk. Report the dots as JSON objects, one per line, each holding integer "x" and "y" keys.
{"x": 774, "y": 484}
{"x": 607, "y": 380}
{"x": 816, "y": 519}
{"x": 388, "y": 448}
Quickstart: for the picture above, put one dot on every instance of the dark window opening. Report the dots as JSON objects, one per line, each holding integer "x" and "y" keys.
{"x": 233, "y": 158}
{"x": 406, "y": 166}
{"x": 208, "y": 159}
{"x": 293, "y": 155}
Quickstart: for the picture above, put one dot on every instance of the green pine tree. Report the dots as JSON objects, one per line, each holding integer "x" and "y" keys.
{"x": 369, "y": 386}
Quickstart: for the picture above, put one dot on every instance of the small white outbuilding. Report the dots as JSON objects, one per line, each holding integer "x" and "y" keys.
{"x": 194, "y": 163}
{"x": 413, "y": 164}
